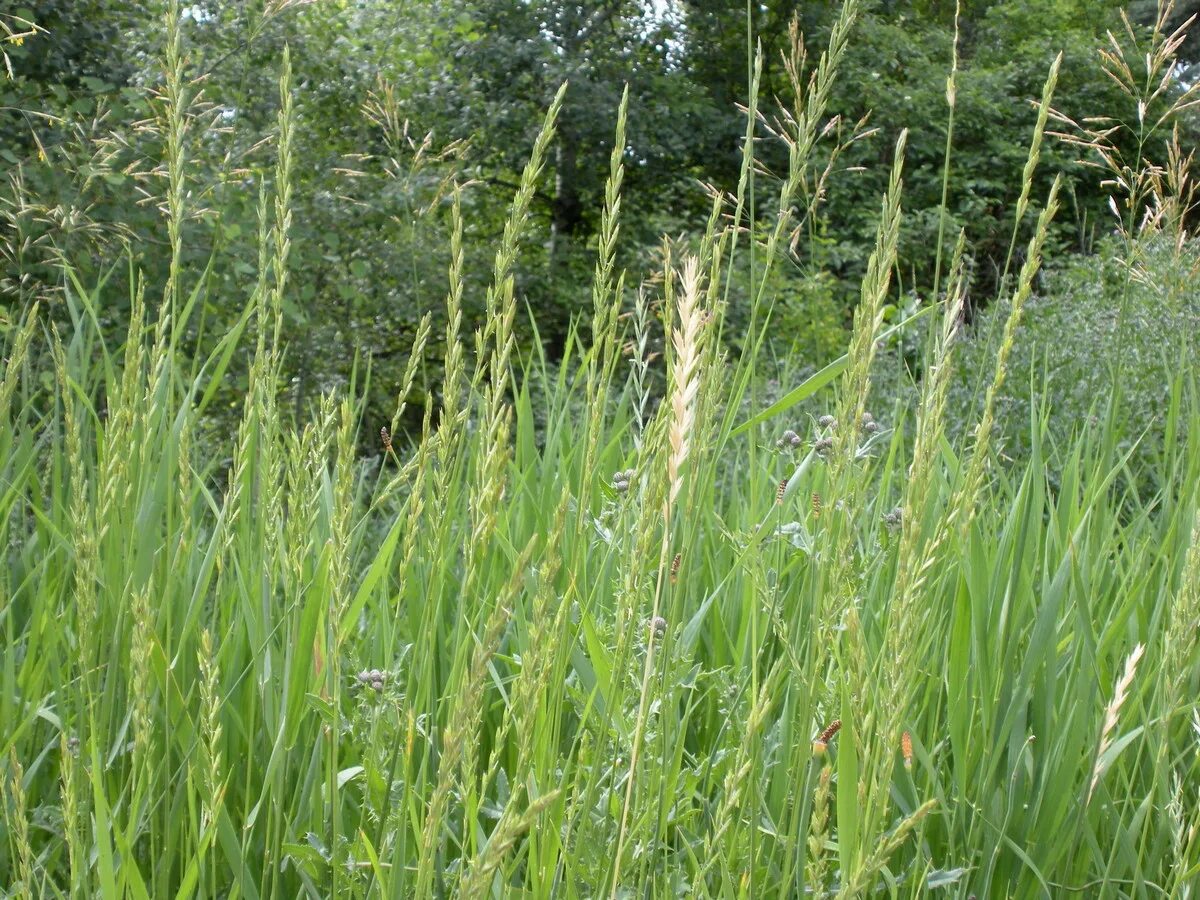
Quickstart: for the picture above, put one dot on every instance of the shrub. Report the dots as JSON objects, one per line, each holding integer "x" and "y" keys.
{"x": 1098, "y": 322}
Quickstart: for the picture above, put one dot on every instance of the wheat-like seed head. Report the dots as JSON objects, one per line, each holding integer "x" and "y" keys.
{"x": 685, "y": 339}
{"x": 1112, "y": 714}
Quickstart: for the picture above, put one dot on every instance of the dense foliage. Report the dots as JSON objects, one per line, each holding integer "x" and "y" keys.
{"x": 390, "y": 107}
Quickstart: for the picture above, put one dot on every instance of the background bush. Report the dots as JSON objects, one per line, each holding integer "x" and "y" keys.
{"x": 1120, "y": 320}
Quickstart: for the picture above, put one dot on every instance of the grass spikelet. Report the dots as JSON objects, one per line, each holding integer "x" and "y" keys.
{"x": 1031, "y": 161}
{"x": 175, "y": 126}
{"x": 639, "y": 365}
{"x": 16, "y": 821}
{"x": 72, "y": 815}
{"x": 15, "y": 362}
{"x": 972, "y": 483}
{"x": 452, "y": 413}
{"x": 140, "y": 683}
{"x": 211, "y": 766}
{"x": 818, "y": 833}
{"x": 606, "y": 293}
{"x": 1182, "y": 637}
{"x": 1112, "y": 716}
{"x": 727, "y": 817}
{"x": 459, "y": 747}
{"x": 685, "y": 374}
{"x": 415, "y": 357}
{"x": 510, "y": 827}
{"x": 892, "y": 842}
{"x": 868, "y": 315}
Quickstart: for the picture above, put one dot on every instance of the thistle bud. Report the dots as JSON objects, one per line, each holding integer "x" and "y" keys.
{"x": 788, "y": 439}
{"x": 894, "y": 519}
{"x": 372, "y": 678}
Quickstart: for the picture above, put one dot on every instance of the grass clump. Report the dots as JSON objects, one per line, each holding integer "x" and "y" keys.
{"x": 605, "y": 647}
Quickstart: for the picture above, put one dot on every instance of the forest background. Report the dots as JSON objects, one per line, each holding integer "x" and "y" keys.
{"x": 394, "y": 102}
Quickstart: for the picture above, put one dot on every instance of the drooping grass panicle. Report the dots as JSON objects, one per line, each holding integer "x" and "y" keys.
{"x": 801, "y": 128}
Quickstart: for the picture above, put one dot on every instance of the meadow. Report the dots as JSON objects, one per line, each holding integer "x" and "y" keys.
{"x": 623, "y": 625}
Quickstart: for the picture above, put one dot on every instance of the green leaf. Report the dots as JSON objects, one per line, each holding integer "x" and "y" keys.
{"x": 820, "y": 379}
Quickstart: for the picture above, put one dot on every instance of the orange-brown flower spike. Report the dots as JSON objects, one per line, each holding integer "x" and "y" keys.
{"x": 822, "y": 742}
{"x": 906, "y": 749}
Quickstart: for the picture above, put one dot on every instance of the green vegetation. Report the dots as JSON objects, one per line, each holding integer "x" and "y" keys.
{"x": 617, "y": 616}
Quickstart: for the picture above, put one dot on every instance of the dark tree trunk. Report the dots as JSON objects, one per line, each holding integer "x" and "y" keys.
{"x": 567, "y": 213}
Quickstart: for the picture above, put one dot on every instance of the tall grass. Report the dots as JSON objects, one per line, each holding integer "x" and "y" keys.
{"x": 604, "y": 648}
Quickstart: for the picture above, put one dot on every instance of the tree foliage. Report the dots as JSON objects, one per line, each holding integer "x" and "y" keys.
{"x": 393, "y": 106}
